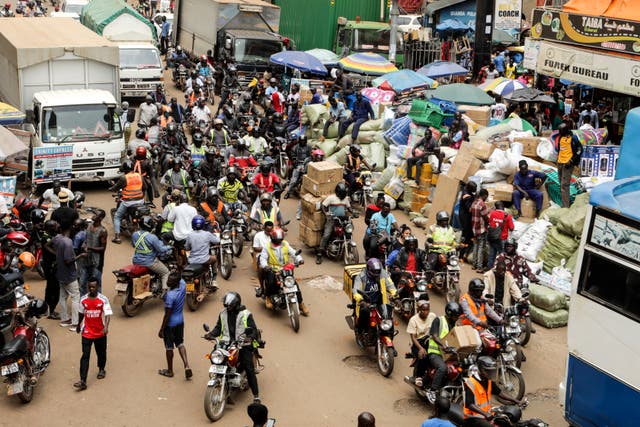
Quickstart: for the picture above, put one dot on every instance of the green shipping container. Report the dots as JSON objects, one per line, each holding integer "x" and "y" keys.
{"x": 312, "y": 23}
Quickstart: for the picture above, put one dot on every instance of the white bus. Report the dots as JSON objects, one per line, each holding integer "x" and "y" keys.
{"x": 602, "y": 383}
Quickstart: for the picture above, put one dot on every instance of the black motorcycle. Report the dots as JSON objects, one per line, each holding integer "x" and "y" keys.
{"x": 131, "y": 219}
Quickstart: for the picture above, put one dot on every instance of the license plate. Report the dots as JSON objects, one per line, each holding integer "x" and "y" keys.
{"x": 507, "y": 357}
{"x": 510, "y": 330}
{"x": 191, "y": 287}
{"x": 84, "y": 174}
{"x": 14, "y": 388}
{"x": 9, "y": 369}
{"x": 121, "y": 287}
{"x": 290, "y": 290}
{"x": 217, "y": 369}
{"x": 22, "y": 301}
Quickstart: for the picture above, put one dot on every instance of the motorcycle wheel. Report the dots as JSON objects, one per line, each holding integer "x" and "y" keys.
{"x": 42, "y": 350}
{"x": 226, "y": 266}
{"x": 283, "y": 170}
{"x": 27, "y": 388}
{"x": 525, "y": 335}
{"x": 351, "y": 255}
{"x": 237, "y": 246}
{"x": 214, "y": 401}
{"x": 294, "y": 317}
{"x": 129, "y": 308}
{"x": 192, "y": 300}
{"x": 512, "y": 384}
{"x": 385, "y": 359}
{"x": 453, "y": 293}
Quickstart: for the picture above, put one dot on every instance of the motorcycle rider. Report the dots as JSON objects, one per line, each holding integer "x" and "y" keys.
{"x": 441, "y": 238}
{"x": 174, "y": 199}
{"x": 516, "y": 264}
{"x": 353, "y": 164}
{"x": 148, "y": 248}
{"x": 174, "y": 137}
{"x": 148, "y": 110}
{"x": 158, "y": 95}
{"x": 410, "y": 258}
{"x": 165, "y": 117}
{"x": 142, "y": 165}
{"x": 232, "y": 191}
{"x": 229, "y": 120}
{"x": 203, "y": 67}
{"x": 374, "y": 282}
{"x": 177, "y": 110}
{"x": 267, "y": 211}
{"x": 301, "y": 156}
{"x": 381, "y": 223}
{"x": 6, "y": 11}
{"x": 418, "y": 329}
{"x": 334, "y": 206}
{"x": 256, "y": 142}
{"x": 241, "y": 156}
{"x": 139, "y": 141}
{"x": 213, "y": 209}
{"x": 502, "y": 285}
{"x": 229, "y": 82}
{"x": 211, "y": 168}
{"x": 133, "y": 188}
{"x": 266, "y": 180}
{"x": 478, "y": 389}
{"x": 196, "y": 148}
{"x": 178, "y": 57}
{"x": 233, "y": 322}
{"x": 198, "y": 243}
{"x": 201, "y": 112}
{"x": 275, "y": 255}
{"x": 260, "y": 241}
{"x": 475, "y": 308}
{"x": 176, "y": 177}
{"x": 219, "y": 136}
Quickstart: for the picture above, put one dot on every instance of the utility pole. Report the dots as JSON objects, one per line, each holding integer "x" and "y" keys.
{"x": 393, "y": 38}
{"x": 484, "y": 34}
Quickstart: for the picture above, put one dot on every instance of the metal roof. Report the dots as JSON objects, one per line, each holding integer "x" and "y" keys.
{"x": 71, "y": 97}
{"x": 252, "y": 34}
{"x": 441, "y": 4}
{"x": 248, "y": 2}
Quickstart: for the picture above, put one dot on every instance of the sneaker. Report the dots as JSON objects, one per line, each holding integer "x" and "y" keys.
{"x": 431, "y": 396}
{"x": 73, "y": 328}
{"x": 54, "y": 316}
{"x": 65, "y": 323}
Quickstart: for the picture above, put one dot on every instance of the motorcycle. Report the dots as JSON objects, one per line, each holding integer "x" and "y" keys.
{"x": 238, "y": 227}
{"x": 130, "y": 220}
{"x": 282, "y": 158}
{"x": 341, "y": 243}
{"x": 445, "y": 276}
{"x": 24, "y": 237}
{"x": 362, "y": 194}
{"x": 379, "y": 334}
{"x": 24, "y": 358}
{"x": 502, "y": 416}
{"x": 411, "y": 287}
{"x": 224, "y": 375}
{"x": 519, "y": 320}
{"x": 225, "y": 254}
{"x": 287, "y": 296}
{"x": 181, "y": 77}
{"x": 199, "y": 283}
{"x": 505, "y": 350}
{"x": 209, "y": 89}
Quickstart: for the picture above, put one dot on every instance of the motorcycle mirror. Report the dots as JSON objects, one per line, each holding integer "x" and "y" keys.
{"x": 489, "y": 296}
{"x": 206, "y": 327}
{"x": 298, "y": 252}
{"x": 286, "y": 223}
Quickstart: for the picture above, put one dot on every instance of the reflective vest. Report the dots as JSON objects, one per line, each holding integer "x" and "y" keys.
{"x": 183, "y": 177}
{"x": 273, "y": 261}
{"x": 241, "y": 326}
{"x": 481, "y": 396}
{"x": 224, "y": 133}
{"x": 478, "y": 312}
{"x": 141, "y": 244}
{"x": 354, "y": 164}
{"x": 164, "y": 121}
{"x": 133, "y": 190}
{"x": 230, "y": 191}
{"x": 197, "y": 154}
{"x": 210, "y": 212}
{"x": 168, "y": 225}
{"x": 434, "y": 348}
{"x": 264, "y": 217}
{"x": 443, "y": 236}
{"x": 137, "y": 168}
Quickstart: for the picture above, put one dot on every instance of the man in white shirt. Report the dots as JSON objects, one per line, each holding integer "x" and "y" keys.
{"x": 201, "y": 111}
{"x": 260, "y": 241}
{"x": 51, "y": 195}
{"x": 181, "y": 217}
{"x": 586, "y": 123}
{"x": 148, "y": 110}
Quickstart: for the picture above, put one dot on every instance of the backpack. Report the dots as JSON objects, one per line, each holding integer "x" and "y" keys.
{"x": 495, "y": 233}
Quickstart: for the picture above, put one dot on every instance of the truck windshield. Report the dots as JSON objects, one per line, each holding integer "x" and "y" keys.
{"x": 255, "y": 51}
{"x": 139, "y": 58}
{"x": 74, "y": 123}
{"x": 372, "y": 40}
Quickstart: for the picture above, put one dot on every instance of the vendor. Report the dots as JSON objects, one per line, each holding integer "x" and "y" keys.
{"x": 527, "y": 185}
{"x": 362, "y": 111}
{"x": 421, "y": 151}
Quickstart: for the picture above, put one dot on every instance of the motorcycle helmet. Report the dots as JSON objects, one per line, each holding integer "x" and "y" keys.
{"x": 176, "y": 162}
{"x": 266, "y": 197}
{"x": 141, "y": 134}
{"x": 374, "y": 268}
{"x": 27, "y": 259}
{"x": 277, "y": 116}
{"x": 148, "y": 98}
{"x": 179, "y": 50}
{"x": 488, "y": 367}
{"x": 341, "y": 190}
{"x": 453, "y": 310}
{"x": 79, "y": 199}
{"x": 218, "y": 122}
{"x": 141, "y": 152}
{"x": 317, "y": 155}
{"x": 232, "y": 301}
{"x": 197, "y": 223}
{"x": 172, "y": 128}
{"x": 37, "y": 308}
{"x": 203, "y": 58}
{"x": 37, "y": 216}
{"x": 511, "y": 242}
{"x": 277, "y": 236}
{"x": 232, "y": 171}
{"x": 442, "y": 216}
{"x": 355, "y": 149}
{"x": 265, "y": 169}
{"x": 126, "y": 166}
{"x": 198, "y": 137}
{"x": 410, "y": 241}
{"x": 147, "y": 223}
{"x": 476, "y": 286}
{"x": 125, "y": 105}
{"x": 514, "y": 413}
{"x": 212, "y": 194}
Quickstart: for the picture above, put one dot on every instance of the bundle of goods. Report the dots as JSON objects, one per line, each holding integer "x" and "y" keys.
{"x": 549, "y": 307}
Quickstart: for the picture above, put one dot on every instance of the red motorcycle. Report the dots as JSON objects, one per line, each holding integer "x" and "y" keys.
{"x": 24, "y": 237}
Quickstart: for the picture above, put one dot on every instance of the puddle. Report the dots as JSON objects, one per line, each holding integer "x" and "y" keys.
{"x": 361, "y": 363}
{"x": 409, "y": 406}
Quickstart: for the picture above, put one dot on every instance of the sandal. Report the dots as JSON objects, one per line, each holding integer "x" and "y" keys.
{"x": 80, "y": 385}
{"x": 188, "y": 373}
{"x": 116, "y": 240}
{"x": 165, "y": 373}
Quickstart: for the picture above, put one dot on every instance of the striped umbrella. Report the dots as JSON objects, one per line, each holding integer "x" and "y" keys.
{"x": 491, "y": 84}
{"x": 367, "y": 63}
{"x": 10, "y": 115}
{"x": 507, "y": 87}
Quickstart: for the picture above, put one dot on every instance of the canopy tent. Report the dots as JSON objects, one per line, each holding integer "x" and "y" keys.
{"x": 367, "y": 63}
{"x": 402, "y": 80}
{"x": 529, "y": 95}
{"x": 10, "y": 115}
{"x": 453, "y": 26}
{"x": 442, "y": 69}
{"x": 461, "y": 93}
{"x": 299, "y": 60}
{"x": 519, "y": 124}
{"x": 98, "y": 15}
{"x": 325, "y": 56}
{"x": 13, "y": 151}
{"x": 621, "y": 9}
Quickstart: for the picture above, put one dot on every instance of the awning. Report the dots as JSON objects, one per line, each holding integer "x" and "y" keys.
{"x": 439, "y": 5}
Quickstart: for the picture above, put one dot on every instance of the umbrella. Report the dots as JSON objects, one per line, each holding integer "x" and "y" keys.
{"x": 378, "y": 94}
{"x": 10, "y": 115}
{"x": 519, "y": 124}
{"x": 489, "y": 85}
{"x": 442, "y": 69}
{"x": 507, "y": 87}
{"x": 403, "y": 80}
{"x": 325, "y": 56}
{"x": 299, "y": 60}
{"x": 367, "y": 63}
{"x": 529, "y": 95}
{"x": 461, "y": 93}
{"x": 12, "y": 147}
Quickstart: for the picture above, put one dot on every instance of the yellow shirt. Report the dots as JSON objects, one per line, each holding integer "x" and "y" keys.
{"x": 564, "y": 150}
{"x": 510, "y": 71}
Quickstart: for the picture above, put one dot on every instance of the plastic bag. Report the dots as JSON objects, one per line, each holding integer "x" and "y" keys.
{"x": 313, "y": 113}
{"x": 561, "y": 278}
{"x": 384, "y": 179}
{"x": 547, "y": 299}
{"x": 557, "y": 247}
{"x": 553, "y": 214}
{"x": 572, "y": 222}
{"x": 490, "y": 175}
{"x": 555, "y": 319}
{"x": 329, "y": 146}
{"x": 546, "y": 150}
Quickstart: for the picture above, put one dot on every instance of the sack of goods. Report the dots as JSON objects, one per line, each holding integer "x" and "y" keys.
{"x": 549, "y": 307}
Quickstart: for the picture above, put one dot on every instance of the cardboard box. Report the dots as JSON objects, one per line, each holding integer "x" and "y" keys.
{"x": 309, "y": 237}
{"x": 599, "y": 160}
{"x": 503, "y": 192}
{"x": 323, "y": 172}
{"x": 311, "y": 203}
{"x": 314, "y": 220}
{"x": 318, "y": 189}
{"x": 481, "y": 149}
{"x": 418, "y": 202}
{"x": 464, "y": 166}
{"x": 528, "y": 208}
{"x": 529, "y": 146}
{"x": 465, "y": 339}
{"x": 480, "y": 115}
{"x": 350, "y": 273}
{"x": 502, "y": 144}
{"x": 446, "y": 194}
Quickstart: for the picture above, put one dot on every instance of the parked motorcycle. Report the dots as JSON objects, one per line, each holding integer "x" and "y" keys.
{"x": 287, "y": 296}
{"x": 24, "y": 237}
{"x": 502, "y": 416}
{"x": 224, "y": 376}
{"x": 131, "y": 218}
{"x": 341, "y": 243}
{"x": 445, "y": 276}
{"x": 411, "y": 287}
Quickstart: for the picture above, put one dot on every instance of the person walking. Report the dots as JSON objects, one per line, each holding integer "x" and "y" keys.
{"x": 479, "y": 220}
{"x": 93, "y": 322}
{"x": 95, "y": 247}
{"x": 67, "y": 275}
{"x": 464, "y": 215}
{"x": 52, "y": 288}
{"x": 569, "y": 151}
{"x": 172, "y": 328}
{"x": 500, "y": 224}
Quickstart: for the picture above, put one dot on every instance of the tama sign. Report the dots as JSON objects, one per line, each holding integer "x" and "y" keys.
{"x": 603, "y": 71}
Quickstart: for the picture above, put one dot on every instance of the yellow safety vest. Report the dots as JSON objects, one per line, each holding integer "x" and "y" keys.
{"x": 434, "y": 348}
{"x": 273, "y": 261}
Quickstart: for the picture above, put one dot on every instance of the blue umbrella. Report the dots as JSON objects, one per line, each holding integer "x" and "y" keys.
{"x": 442, "y": 69}
{"x": 325, "y": 56}
{"x": 299, "y": 60}
{"x": 403, "y": 80}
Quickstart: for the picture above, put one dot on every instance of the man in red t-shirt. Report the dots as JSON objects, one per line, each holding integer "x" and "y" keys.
{"x": 498, "y": 218}
{"x": 266, "y": 180}
{"x": 95, "y": 310}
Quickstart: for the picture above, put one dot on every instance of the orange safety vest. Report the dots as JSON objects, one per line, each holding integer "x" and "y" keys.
{"x": 480, "y": 395}
{"x": 211, "y": 217}
{"x": 479, "y": 313}
{"x": 133, "y": 190}
{"x": 165, "y": 121}
{"x": 137, "y": 168}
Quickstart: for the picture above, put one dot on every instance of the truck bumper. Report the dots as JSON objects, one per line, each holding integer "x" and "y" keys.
{"x": 129, "y": 89}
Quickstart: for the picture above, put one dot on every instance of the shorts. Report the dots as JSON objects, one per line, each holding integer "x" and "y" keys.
{"x": 173, "y": 336}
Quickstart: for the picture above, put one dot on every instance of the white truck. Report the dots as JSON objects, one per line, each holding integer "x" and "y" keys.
{"x": 140, "y": 64}
{"x": 66, "y": 78}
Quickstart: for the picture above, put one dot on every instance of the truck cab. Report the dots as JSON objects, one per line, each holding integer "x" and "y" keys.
{"x": 84, "y": 123}
{"x": 140, "y": 69}
{"x": 250, "y": 50}
{"x": 366, "y": 36}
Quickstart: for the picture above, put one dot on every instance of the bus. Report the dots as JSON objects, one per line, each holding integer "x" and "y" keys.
{"x": 602, "y": 382}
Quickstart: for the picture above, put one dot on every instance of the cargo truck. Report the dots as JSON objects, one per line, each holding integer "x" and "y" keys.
{"x": 140, "y": 65}
{"x": 66, "y": 78}
{"x": 366, "y": 36}
{"x": 241, "y": 31}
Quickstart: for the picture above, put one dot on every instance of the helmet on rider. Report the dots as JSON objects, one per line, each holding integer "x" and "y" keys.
{"x": 148, "y": 99}
{"x": 277, "y": 117}
{"x": 37, "y": 216}
{"x": 197, "y": 138}
{"x": 147, "y": 223}
{"x": 126, "y": 167}
{"x": 232, "y": 301}
{"x": 265, "y": 169}
{"x": 510, "y": 246}
{"x": 172, "y": 128}
{"x": 141, "y": 134}
{"x": 141, "y": 153}
{"x": 374, "y": 268}
{"x": 341, "y": 190}
{"x": 212, "y": 195}
{"x": 277, "y": 236}
{"x": 232, "y": 172}
{"x": 266, "y": 197}
{"x": 179, "y": 50}
{"x": 176, "y": 162}
{"x": 273, "y": 81}
{"x": 355, "y": 149}
{"x": 78, "y": 199}
{"x": 302, "y": 140}
{"x": 203, "y": 58}
{"x": 317, "y": 155}
{"x": 410, "y": 243}
{"x": 210, "y": 154}
{"x": 197, "y": 223}
{"x": 442, "y": 219}
{"x": 476, "y": 287}
{"x": 453, "y": 310}
{"x": 125, "y": 105}
{"x": 488, "y": 368}
{"x": 7, "y": 5}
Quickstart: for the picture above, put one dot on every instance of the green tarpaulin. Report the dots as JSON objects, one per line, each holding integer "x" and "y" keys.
{"x": 97, "y": 14}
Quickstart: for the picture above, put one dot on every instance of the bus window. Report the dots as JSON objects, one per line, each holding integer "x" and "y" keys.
{"x": 611, "y": 284}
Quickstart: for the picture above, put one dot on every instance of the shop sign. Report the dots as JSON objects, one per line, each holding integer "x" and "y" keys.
{"x": 531, "y": 51}
{"x": 508, "y": 15}
{"x": 588, "y": 31}
{"x": 621, "y": 75}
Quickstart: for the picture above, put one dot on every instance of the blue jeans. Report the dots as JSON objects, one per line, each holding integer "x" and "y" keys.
{"x": 495, "y": 248}
{"x": 122, "y": 210}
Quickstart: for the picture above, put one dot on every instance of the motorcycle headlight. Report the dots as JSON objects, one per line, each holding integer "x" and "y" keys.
{"x": 386, "y": 325}
{"x": 349, "y": 228}
{"x": 453, "y": 261}
{"x": 367, "y": 181}
{"x": 289, "y": 281}
{"x": 422, "y": 287}
{"x": 19, "y": 292}
{"x": 510, "y": 348}
{"x": 226, "y": 234}
{"x": 217, "y": 357}
{"x": 514, "y": 322}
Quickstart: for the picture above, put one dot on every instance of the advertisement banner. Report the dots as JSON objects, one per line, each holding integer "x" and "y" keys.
{"x": 51, "y": 163}
{"x": 588, "y": 31}
{"x": 594, "y": 69}
{"x": 531, "y": 51}
{"x": 508, "y": 16}
{"x": 8, "y": 189}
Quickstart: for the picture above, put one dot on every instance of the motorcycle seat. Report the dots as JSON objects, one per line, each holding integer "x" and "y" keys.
{"x": 194, "y": 269}
{"x": 136, "y": 270}
{"x": 16, "y": 346}
{"x": 141, "y": 210}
